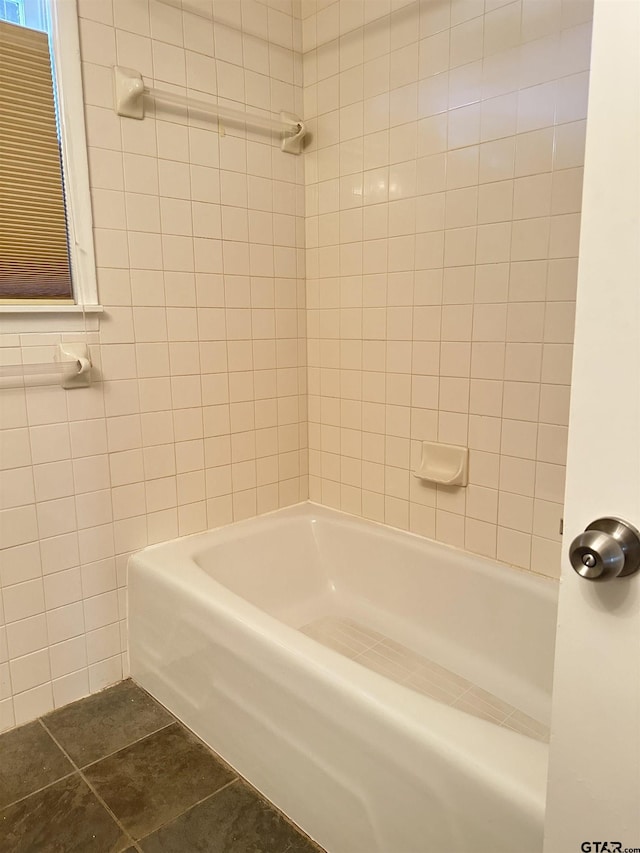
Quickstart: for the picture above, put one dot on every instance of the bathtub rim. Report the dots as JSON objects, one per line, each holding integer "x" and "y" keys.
{"x": 546, "y": 585}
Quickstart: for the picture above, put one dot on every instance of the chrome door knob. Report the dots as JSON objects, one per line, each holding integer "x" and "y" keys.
{"x": 609, "y": 548}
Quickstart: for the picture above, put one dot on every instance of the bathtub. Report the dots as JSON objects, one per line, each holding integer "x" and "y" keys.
{"x": 367, "y": 681}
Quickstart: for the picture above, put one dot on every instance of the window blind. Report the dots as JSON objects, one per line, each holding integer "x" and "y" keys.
{"x": 34, "y": 257}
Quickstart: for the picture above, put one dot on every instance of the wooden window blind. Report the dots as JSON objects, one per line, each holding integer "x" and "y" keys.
{"x": 34, "y": 256}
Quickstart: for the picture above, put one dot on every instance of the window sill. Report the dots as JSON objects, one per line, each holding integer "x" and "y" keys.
{"x": 19, "y": 318}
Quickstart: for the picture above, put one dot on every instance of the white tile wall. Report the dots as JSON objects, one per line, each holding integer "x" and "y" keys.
{"x": 443, "y": 193}
{"x": 199, "y": 414}
{"x": 436, "y": 214}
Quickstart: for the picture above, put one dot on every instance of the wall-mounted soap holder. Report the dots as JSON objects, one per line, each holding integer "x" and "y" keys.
{"x": 445, "y": 464}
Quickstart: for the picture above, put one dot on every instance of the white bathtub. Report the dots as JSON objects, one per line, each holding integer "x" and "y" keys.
{"x": 363, "y": 764}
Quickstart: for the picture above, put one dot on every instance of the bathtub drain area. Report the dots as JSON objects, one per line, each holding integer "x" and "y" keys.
{"x": 400, "y": 664}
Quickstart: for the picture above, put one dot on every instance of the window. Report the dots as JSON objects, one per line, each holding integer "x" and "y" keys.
{"x": 12, "y": 11}
{"x": 47, "y": 261}
{"x": 25, "y": 13}
{"x": 34, "y": 255}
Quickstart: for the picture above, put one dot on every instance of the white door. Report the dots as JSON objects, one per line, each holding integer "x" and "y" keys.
{"x": 594, "y": 773}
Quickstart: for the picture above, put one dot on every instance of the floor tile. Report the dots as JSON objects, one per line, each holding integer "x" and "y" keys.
{"x": 101, "y": 724}
{"x": 154, "y": 780}
{"x": 29, "y": 760}
{"x": 303, "y": 845}
{"x": 235, "y": 820}
{"x": 66, "y": 817}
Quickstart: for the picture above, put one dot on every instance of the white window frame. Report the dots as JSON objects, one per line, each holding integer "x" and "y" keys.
{"x": 52, "y": 316}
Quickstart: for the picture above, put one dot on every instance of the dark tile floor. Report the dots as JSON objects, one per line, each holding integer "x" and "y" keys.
{"x": 116, "y": 772}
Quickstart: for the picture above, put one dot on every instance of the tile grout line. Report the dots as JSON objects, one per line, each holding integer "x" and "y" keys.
{"x": 115, "y": 751}
{"x": 38, "y": 791}
{"x": 127, "y": 838}
{"x": 191, "y": 807}
{"x": 90, "y": 786}
{"x": 240, "y": 780}
{"x": 243, "y": 781}
{"x": 80, "y": 771}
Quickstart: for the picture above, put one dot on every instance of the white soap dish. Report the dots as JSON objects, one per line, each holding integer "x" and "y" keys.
{"x": 446, "y": 464}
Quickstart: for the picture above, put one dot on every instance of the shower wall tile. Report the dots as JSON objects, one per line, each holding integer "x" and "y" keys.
{"x": 198, "y": 414}
{"x": 443, "y": 191}
{"x": 415, "y": 272}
